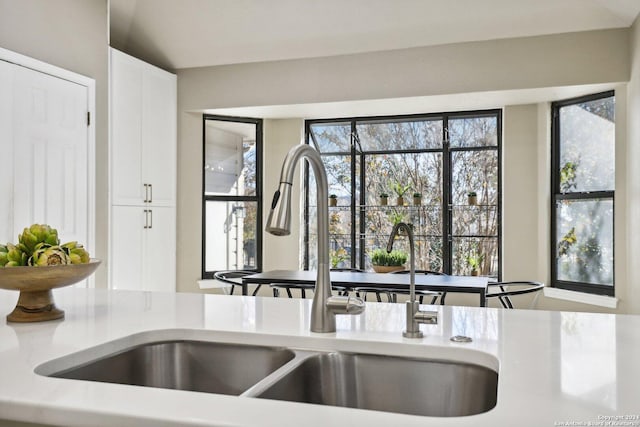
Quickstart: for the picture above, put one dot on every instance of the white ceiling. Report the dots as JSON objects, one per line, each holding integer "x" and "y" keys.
{"x": 195, "y": 33}
{"x": 176, "y": 34}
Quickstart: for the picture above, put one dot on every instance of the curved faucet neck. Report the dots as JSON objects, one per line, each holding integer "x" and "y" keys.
{"x": 322, "y": 192}
{"x": 324, "y": 306}
{"x": 408, "y": 231}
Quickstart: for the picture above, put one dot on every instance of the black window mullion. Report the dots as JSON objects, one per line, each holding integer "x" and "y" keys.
{"x": 499, "y": 200}
{"x": 585, "y": 195}
{"x": 447, "y": 215}
{"x": 354, "y": 202}
{"x": 555, "y": 189}
{"x": 305, "y": 244}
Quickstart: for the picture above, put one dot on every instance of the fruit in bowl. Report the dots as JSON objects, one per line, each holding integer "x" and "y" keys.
{"x": 38, "y": 246}
{"x": 37, "y": 264}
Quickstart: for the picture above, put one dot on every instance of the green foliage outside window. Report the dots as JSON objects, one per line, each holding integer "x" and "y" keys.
{"x": 396, "y": 156}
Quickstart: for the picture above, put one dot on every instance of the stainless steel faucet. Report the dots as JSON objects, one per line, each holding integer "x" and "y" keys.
{"x": 325, "y": 306}
{"x": 414, "y": 315}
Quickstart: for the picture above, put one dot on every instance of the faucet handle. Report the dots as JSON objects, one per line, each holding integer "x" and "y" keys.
{"x": 345, "y": 305}
{"x": 426, "y": 317}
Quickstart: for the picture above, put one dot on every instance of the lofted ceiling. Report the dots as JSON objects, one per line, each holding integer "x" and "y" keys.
{"x": 195, "y": 33}
{"x": 179, "y": 34}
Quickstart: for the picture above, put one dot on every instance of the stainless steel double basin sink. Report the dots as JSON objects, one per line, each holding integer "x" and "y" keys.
{"x": 354, "y": 380}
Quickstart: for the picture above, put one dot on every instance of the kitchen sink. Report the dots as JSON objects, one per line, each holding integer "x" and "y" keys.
{"x": 406, "y": 385}
{"x": 392, "y": 384}
{"x": 185, "y": 365}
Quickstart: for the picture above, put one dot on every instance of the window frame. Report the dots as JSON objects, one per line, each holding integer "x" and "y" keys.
{"x": 557, "y": 195}
{"x": 358, "y": 236}
{"x": 224, "y": 198}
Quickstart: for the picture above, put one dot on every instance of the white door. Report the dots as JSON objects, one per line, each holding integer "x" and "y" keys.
{"x": 50, "y": 154}
{"x": 6, "y": 156}
{"x": 45, "y": 154}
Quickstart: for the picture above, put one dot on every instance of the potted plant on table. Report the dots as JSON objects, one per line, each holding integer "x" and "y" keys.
{"x": 384, "y": 199}
{"x": 417, "y": 199}
{"x": 400, "y": 191}
{"x": 385, "y": 262}
{"x": 333, "y": 200}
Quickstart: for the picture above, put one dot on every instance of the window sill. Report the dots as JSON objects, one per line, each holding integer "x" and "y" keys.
{"x": 581, "y": 297}
{"x": 212, "y": 284}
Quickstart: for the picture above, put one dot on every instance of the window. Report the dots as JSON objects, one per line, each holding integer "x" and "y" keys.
{"x": 441, "y": 158}
{"x": 583, "y": 183}
{"x": 232, "y": 192}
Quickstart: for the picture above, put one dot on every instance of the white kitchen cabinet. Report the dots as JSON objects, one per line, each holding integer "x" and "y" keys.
{"x": 143, "y": 146}
{"x": 143, "y": 133}
{"x": 143, "y": 248}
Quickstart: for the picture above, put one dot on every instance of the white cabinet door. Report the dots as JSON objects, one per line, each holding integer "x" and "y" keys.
{"x": 143, "y": 248}
{"x": 127, "y": 247}
{"x": 159, "y": 136}
{"x": 143, "y": 133}
{"x": 126, "y": 129}
{"x": 160, "y": 249}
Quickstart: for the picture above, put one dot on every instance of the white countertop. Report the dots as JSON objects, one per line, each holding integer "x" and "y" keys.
{"x": 553, "y": 367}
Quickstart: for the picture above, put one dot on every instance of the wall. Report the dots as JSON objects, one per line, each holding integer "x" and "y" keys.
{"x": 70, "y": 34}
{"x": 280, "y": 136}
{"x": 530, "y": 62}
{"x": 521, "y": 194}
{"x": 533, "y": 62}
{"x": 633, "y": 175}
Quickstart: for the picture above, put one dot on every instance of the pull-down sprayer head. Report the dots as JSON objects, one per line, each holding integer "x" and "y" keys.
{"x": 279, "y": 220}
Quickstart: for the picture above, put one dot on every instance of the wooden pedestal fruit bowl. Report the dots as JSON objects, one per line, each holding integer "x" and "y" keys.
{"x": 35, "y": 303}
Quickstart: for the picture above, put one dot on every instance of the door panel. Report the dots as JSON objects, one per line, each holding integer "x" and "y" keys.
{"x": 51, "y": 154}
{"x": 6, "y": 148}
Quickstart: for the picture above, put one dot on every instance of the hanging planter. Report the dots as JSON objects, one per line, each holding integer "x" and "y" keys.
{"x": 333, "y": 200}
{"x": 384, "y": 199}
{"x": 417, "y": 199}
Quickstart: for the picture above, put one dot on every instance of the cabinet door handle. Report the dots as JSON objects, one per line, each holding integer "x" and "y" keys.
{"x": 146, "y": 193}
{"x": 146, "y": 218}
{"x": 150, "y": 193}
{"x": 150, "y": 218}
